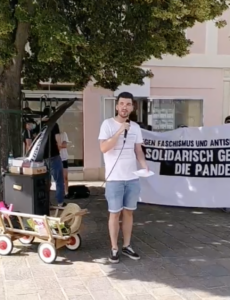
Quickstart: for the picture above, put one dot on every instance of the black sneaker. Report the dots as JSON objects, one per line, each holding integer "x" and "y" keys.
{"x": 114, "y": 256}
{"x": 128, "y": 251}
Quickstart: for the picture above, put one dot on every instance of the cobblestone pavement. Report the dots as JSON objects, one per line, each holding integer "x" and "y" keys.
{"x": 185, "y": 256}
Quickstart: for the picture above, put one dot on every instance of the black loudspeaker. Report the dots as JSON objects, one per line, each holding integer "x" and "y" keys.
{"x": 28, "y": 193}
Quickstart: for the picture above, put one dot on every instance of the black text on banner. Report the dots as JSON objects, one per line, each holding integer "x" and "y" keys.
{"x": 193, "y": 162}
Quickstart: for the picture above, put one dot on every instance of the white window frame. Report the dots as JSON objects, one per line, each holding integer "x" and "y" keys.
{"x": 52, "y": 94}
{"x": 103, "y": 112}
{"x": 103, "y": 116}
{"x": 186, "y": 98}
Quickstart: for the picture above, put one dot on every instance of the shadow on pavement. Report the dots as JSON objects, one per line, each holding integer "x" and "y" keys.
{"x": 185, "y": 253}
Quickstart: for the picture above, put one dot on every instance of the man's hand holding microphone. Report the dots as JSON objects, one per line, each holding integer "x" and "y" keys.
{"x": 111, "y": 142}
{"x": 125, "y": 128}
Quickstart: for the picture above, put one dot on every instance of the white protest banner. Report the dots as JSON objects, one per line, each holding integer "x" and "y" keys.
{"x": 191, "y": 166}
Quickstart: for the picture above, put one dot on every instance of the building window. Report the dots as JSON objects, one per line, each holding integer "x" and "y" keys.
{"x": 71, "y": 122}
{"x": 160, "y": 114}
{"x": 169, "y": 114}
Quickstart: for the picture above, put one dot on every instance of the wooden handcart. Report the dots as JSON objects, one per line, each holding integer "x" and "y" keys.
{"x": 47, "y": 250}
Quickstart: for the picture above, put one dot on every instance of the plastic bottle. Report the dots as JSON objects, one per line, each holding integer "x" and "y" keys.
{"x": 10, "y": 159}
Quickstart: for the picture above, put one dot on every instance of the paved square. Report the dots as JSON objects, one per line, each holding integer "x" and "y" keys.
{"x": 185, "y": 256}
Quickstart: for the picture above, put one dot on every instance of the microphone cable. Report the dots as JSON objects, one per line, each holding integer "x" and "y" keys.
{"x": 94, "y": 196}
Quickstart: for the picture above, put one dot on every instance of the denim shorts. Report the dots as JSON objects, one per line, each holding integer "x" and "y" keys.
{"x": 122, "y": 195}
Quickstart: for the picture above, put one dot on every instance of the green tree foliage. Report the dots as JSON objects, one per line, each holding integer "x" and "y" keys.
{"x": 77, "y": 40}
{"x": 80, "y": 40}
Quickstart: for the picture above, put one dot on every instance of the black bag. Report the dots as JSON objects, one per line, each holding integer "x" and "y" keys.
{"x": 16, "y": 224}
{"x": 78, "y": 192}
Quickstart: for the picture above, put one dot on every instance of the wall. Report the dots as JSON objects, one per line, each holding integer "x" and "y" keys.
{"x": 197, "y": 34}
{"x": 211, "y": 47}
{"x": 92, "y": 120}
{"x": 205, "y": 72}
{"x": 223, "y": 36}
{"x": 191, "y": 83}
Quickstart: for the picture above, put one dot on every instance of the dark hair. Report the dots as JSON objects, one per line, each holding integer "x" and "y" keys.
{"x": 125, "y": 95}
{"x": 227, "y": 119}
{"x": 142, "y": 125}
{"x": 27, "y": 120}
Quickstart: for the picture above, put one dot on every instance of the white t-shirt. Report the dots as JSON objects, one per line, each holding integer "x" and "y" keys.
{"x": 127, "y": 162}
{"x": 63, "y": 152}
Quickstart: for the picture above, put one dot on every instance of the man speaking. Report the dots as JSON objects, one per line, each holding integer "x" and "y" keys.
{"x": 120, "y": 142}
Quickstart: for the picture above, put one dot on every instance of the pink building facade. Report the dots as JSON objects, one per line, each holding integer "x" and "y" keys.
{"x": 193, "y": 91}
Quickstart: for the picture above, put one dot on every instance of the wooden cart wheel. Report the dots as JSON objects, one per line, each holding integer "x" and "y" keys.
{"x": 26, "y": 240}
{"x": 6, "y": 245}
{"x": 74, "y": 242}
{"x": 75, "y": 221}
{"x": 47, "y": 252}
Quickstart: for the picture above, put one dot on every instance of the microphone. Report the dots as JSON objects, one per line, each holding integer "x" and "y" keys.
{"x": 126, "y": 131}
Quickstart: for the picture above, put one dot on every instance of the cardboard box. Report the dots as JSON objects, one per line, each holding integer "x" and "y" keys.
{"x": 15, "y": 170}
{"x": 34, "y": 171}
{"x": 24, "y": 162}
{"x": 17, "y": 162}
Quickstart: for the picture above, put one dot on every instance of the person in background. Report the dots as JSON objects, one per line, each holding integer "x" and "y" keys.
{"x": 28, "y": 134}
{"x": 142, "y": 125}
{"x": 226, "y": 121}
{"x": 52, "y": 158}
{"x": 64, "y": 156}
